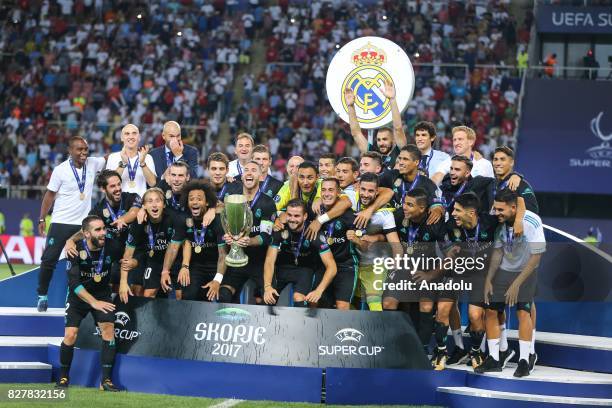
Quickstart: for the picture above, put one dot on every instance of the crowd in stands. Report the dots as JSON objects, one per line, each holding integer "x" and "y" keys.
{"x": 88, "y": 67}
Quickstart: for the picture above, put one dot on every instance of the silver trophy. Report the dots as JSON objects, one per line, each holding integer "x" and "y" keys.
{"x": 236, "y": 220}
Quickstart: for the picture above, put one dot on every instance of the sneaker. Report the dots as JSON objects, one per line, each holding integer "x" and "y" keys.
{"x": 459, "y": 356}
{"x": 42, "y": 303}
{"x": 62, "y": 383}
{"x": 533, "y": 359}
{"x": 107, "y": 385}
{"x": 477, "y": 358}
{"x": 439, "y": 360}
{"x": 506, "y": 356}
{"x": 522, "y": 370}
{"x": 490, "y": 365}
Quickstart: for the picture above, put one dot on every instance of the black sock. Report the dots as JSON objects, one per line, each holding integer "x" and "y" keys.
{"x": 441, "y": 334}
{"x": 476, "y": 337}
{"x": 107, "y": 359}
{"x": 425, "y": 328}
{"x": 66, "y": 353}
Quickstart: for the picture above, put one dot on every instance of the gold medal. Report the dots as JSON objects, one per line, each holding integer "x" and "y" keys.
{"x": 285, "y": 234}
{"x": 409, "y": 250}
{"x": 131, "y": 183}
{"x": 83, "y": 254}
{"x": 359, "y": 233}
{"x": 189, "y": 222}
{"x": 151, "y": 253}
{"x": 197, "y": 249}
{"x": 169, "y": 194}
{"x": 82, "y": 196}
{"x": 97, "y": 278}
{"x": 106, "y": 213}
{"x": 330, "y": 241}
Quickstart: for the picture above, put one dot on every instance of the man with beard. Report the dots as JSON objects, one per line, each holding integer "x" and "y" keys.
{"x": 177, "y": 177}
{"x": 117, "y": 209}
{"x": 89, "y": 292}
{"x": 407, "y": 178}
{"x": 471, "y": 234}
{"x": 140, "y": 172}
{"x": 203, "y": 265}
{"x": 293, "y": 258}
{"x": 334, "y": 233}
{"x": 512, "y": 280}
{"x": 419, "y": 240}
{"x": 463, "y": 143}
{"x": 388, "y": 141}
{"x": 69, "y": 192}
{"x": 380, "y": 227}
{"x": 260, "y": 236}
{"x": 159, "y": 237}
{"x": 347, "y": 173}
{"x": 424, "y": 138}
{"x": 503, "y": 166}
{"x": 217, "y": 171}
{"x": 327, "y": 162}
{"x": 269, "y": 185}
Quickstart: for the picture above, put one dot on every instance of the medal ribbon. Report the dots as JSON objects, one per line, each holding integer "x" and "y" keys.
{"x": 132, "y": 170}
{"x": 457, "y": 194}
{"x": 412, "y": 234}
{"x": 222, "y": 192}
{"x": 199, "y": 236}
{"x": 404, "y": 191}
{"x": 151, "y": 239}
{"x": 300, "y": 242}
{"x": 80, "y": 183}
{"x": 509, "y": 238}
{"x": 114, "y": 215}
{"x": 261, "y": 188}
{"x": 424, "y": 163}
{"x": 169, "y": 159}
{"x": 239, "y": 168}
{"x": 100, "y": 264}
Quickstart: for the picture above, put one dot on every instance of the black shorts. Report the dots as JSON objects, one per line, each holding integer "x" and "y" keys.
{"x": 115, "y": 273}
{"x": 396, "y": 287}
{"x": 77, "y": 310}
{"x": 136, "y": 275}
{"x": 301, "y": 278}
{"x": 199, "y": 275}
{"x": 237, "y": 277}
{"x": 502, "y": 281}
{"x": 152, "y": 275}
{"x": 472, "y": 292}
{"x": 344, "y": 283}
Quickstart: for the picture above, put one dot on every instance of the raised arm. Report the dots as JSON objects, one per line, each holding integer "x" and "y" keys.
{"x": 360, "y": 140}
{"x": 398, "y": 130}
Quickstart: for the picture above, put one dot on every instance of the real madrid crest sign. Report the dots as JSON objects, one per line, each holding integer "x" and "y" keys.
{"x": 364, "y": 65}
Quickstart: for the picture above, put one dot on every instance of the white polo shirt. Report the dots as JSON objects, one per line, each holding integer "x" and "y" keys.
{"x": 141, "y": 181}
{"x": 517, "y": 251}
{"x": 68, "y": 208}
{"x": 233, "y": 169}
{"x": 434, "y": 160}
{"x": 482, "y": 167}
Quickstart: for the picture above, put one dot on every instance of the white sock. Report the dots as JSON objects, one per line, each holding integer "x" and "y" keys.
{"x": 525, "y": 346}
{"x": 458, "y": 337}
{"x": 503, "y": 338}
{"x": 532, "y": 349}
{"x": 483, "y": 343}
{"x": 494, "y": 348}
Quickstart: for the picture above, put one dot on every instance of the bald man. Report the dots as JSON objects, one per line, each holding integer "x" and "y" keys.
{"x": 133, "y": 163}
{"x": 173, "y": 150}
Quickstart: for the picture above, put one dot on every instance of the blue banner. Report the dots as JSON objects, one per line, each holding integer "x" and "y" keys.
{"x": 565, "y": 134}
{"x": 577, "y": 20}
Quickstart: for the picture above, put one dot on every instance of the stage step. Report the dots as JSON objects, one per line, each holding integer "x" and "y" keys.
{"x": 570, "y": 351}
{"x": 25, "y": 372}
{"x": 468, "y": 397}
{"x": 26, "y": 348}
{"x": 27, "y": 321}
{"x": 545, "y": 380}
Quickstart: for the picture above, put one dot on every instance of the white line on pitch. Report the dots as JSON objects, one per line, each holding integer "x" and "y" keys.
{"x": 227, "y": 403}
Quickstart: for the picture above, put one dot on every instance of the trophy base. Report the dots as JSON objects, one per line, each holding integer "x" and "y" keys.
{"x": 236, "y": 263}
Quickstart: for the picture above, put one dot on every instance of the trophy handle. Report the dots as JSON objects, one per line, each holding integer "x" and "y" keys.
{"x": 224, "y": 222}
